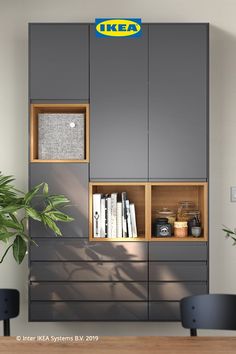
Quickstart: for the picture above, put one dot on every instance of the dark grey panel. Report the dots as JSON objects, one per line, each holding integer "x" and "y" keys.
{"x": 61, "y": 249}
{"x": 177, "y": 251}
{"x": 164, "y": 311}
{"x": 59, "y": 61}
{"x": 89, "y": 271}
{"x": 70, "y": 179}
{"x": 178, "y": 76}
{"x": 89, "y": 291}
{"x": 178, "y": 271}
{"x": 119, "y": 107}
{"x": 175, "y": 291}
{"x": 87, "y": 311}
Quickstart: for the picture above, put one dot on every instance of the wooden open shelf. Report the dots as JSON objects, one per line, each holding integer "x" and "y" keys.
{"x": 168, "y": 194}
{"x": 136, "y": 193}
{"x": 37, "y": 108}
{"x": 150, "y": 196}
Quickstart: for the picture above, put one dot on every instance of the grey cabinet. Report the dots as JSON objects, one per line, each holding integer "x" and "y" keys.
{"x": 119, "y": 107}
{"x": 59, "y": 61}
{"x": 178, "y": 101}
{"x": 70, "y": 179}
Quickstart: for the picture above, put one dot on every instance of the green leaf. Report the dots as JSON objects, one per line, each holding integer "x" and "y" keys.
{"x": 29, "y": 196}
{"x": 5, "y": 236}
{"x": 11, "y": 224}
{"x": 10, "y": 209}
{"x": 59, "y": 216}
{"x": 34, "y": 214}
{"x": 228, "y": 231}
{"x": 45, "y": 189}
{"x": 51, "y": 224}
{"x": 56, "y": 200}
{"x": 19, "y": 249}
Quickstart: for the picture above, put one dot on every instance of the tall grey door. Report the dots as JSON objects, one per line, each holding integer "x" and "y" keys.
{"x": 119, "y": 107}
{"x": 178, "y": 101}
{"x": 59, "y": 61}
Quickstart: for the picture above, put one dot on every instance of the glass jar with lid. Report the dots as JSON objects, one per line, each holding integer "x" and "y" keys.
{"x": 187, "y": 211}
{"x": 166, "y": 213}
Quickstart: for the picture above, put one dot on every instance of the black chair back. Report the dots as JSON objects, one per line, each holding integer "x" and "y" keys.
{"x": 211, "y": 311}
{"x": 9, "y": 307}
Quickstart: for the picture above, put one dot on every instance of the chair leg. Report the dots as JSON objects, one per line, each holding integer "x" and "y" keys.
{"x": 193, "y": 332}
{"x": 6, "y": 327}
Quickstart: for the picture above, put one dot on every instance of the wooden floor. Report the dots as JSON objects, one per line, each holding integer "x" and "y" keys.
{"x": 122, "y": 345}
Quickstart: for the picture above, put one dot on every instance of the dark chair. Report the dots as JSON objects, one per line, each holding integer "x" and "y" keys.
{"x": 212, "y": 311}
{"x": 9, "y": 307}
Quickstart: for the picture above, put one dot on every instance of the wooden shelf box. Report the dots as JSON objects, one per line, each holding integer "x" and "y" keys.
{"x": 168, "y": 195}
{"x": 136, "y": 193}
{"x": 38, "y": 108}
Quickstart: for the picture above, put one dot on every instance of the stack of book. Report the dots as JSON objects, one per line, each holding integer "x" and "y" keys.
{"x": 113, "y": 216}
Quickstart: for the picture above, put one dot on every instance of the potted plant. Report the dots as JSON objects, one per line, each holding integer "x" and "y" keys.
{"x": 16, "y": 208}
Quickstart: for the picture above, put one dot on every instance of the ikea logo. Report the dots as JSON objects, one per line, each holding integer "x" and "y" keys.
{"x": 116, "y": 27}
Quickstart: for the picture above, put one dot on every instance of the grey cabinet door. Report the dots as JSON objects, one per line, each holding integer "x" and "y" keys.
{"x": 70, "y": 179}
{"x": 119, "y": 107}
{"x": 178, "y": 101}
{"x": 59, "y": 61}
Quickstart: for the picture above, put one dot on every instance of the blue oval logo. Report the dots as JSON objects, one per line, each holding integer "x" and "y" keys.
{"x": 117, "y": 27}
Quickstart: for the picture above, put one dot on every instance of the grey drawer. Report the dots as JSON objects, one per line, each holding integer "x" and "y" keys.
{"x": 114, "y": 291}
{"x": 175, "y": 291}
{"x": 89, "y": 271}
{"x": 87, "y": 311}
{"x": 82, "y": 250}
{"x": 164, "y": 311}
{"x": 178, "y": 271}
{"x": 178, "y": 251}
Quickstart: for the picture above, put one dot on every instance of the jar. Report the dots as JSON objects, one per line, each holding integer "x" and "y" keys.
{"x": 162, "y": 228}
{"x": 180, "y": 229}
{"x": 187, "y": 211}
{"x": 166, "y": 213}
{"x": 193, "y": 222}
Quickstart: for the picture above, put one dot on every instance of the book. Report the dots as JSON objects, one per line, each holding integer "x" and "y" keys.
{"x": 103, "y": 217}
{"x": 109, "y": 216}
{"x": 133, "y": 220}
{"x": 119, "y": 219}
{"x": 124, "y": 214}
{"x": 96, "y": 214}
{"x": 113, "y": 214}
{"x": 130, "y": 233}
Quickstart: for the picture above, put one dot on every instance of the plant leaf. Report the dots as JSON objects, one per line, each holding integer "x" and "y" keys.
{"x": 59, "y": 216}
{"x": 29, "y": 196}
{"x": 19, "y": 249}
{"x": 34, "y": 214}
{"x": 56, "y": 200}
{"x": 45, "y": 189}
{"x": 51, "y": 224}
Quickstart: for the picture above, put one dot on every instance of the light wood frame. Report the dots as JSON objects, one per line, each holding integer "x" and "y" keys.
{"x": 193, "y": 191}
{"x": 36, "y": 108}
{"x": 132, "y": 188}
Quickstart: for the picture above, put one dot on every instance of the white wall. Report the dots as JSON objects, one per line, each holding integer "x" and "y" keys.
{"x": 14, "y": 17}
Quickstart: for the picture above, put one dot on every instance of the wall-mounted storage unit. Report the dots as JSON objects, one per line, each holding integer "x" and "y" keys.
{"x": 109, "y": 116}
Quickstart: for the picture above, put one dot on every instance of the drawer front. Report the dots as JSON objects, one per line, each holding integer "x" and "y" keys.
{"x": 178, "y": 271}
{"x": 83, "y": 250}
{"x": 175, "y": 291}
{"x": 89, "y": 291}
{"x": 89, "y": 271}
{"x": 177, "y": 251}
{"x": 164, "y": 311}
{"x": 88, "y": 311}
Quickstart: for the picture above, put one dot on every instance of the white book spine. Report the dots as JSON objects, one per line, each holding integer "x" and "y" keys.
{"x": 109, "y": 217}
{"x": 133, "y": 220}
{"x": 130, "y": 233}
{"x": 124, "y": 215}
{"x": 119, "y": 220}
{"x": 96, "y": 215}
{"x": 113, "y": 214}
{"x": 103, "y": 218}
